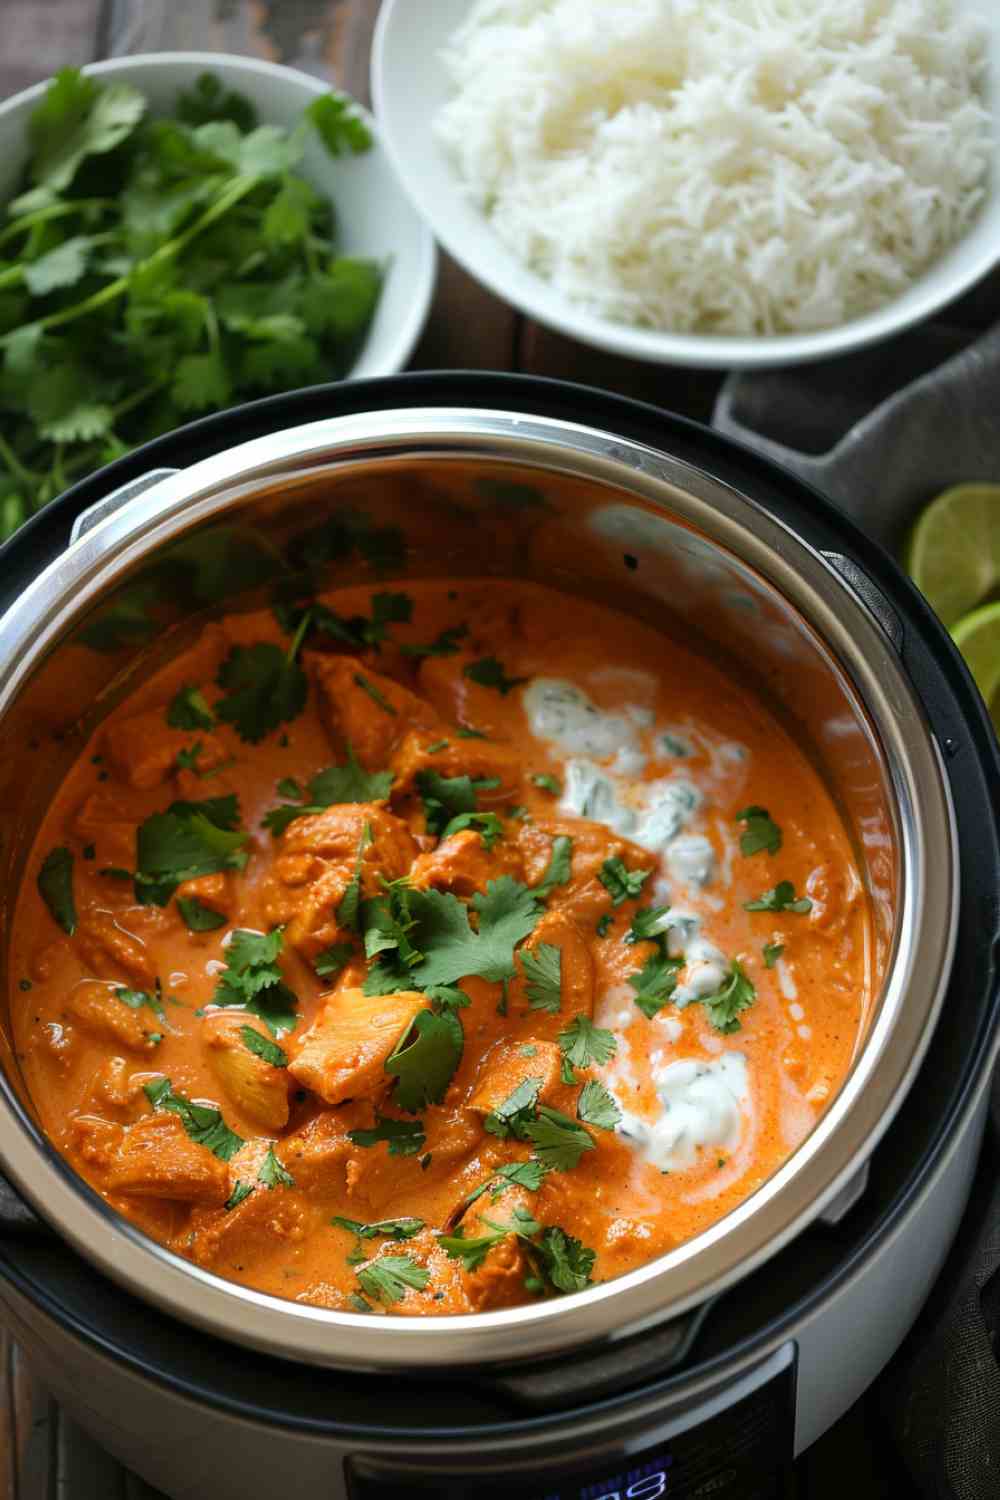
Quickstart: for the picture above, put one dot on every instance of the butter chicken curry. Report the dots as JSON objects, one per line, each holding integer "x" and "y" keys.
{"x": 435, "y": 951}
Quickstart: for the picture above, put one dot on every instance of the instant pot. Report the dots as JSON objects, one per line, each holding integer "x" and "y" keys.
{"x": 706, "y": 1371}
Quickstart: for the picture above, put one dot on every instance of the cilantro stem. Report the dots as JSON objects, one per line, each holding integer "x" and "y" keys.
{"x": 54, "y": 211}
{"x": 138, "y": 397}
{"x": 15, "y": 466}
{"x": 238, "y": 189}
{"x": 299, "y": 636}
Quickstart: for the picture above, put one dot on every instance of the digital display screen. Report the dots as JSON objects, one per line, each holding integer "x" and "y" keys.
{"x": 741, "y": 1452}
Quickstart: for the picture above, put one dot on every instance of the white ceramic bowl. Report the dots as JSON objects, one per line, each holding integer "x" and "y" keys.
{"x": 409, "y": 85}
{"x": 375, "y": 217}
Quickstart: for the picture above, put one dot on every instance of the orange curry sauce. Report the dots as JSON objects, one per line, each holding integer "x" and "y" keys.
{"x": 630, "y": 728}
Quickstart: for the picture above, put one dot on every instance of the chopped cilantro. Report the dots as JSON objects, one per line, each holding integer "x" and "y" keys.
{"x": 585, "y": 1045}
{"x": 445, "y": 644}
{"x": 272, "y": 1174}
{"x": 655, "y": 982}
{"x": 374, "y": 694}
{"x": 187, "y": 841}
{"x": 548, "y": 784}
{"x": 55, "y": 883}
{"x": 349, "y": 783}
{"x": 604, "y": 924}
{"x": 187, "y": 760}
{"x": 526, "y": 1174}
{"x": 329, "y": 963}
{"x": 387, "y": 923}
{"x": 772, "y": 952}
{"x": 543, "y": 975}
{"x": 389, "y": 1278}
{"x": 760, "y": 833}
{"x": 264, "y": 686}
{"x": 349, "y": 910}
{"x": 507, "y": 912}
{"x": 425, "y": 1060}
{"x": 404, "y": 1137}
{"x": 188, "y": 710}
{"x": 647, "y": 925}
{"x": 564, "y": 1261}
{"x": 239, "y": 1195}
{"x": 252, "y": 980}
{"x": 511, "y": 1115}
{"x": 559, "y": 1141}
{"x": 391, "y": 1229}
{"x": 486, "y": 824}
{"x": 780, "y": 897}
{"x": 559, "y": 868}
{"x": 736, "y": 994}
{"x": 437, "y": 745}
{"x": 447, "y": 798}
{"x": 203, "y": 1122}
{"x": 488, "y": 672}
{"x": 597, "y": 1107}
{"x": 466, "y": 732}
{"x": 136, "y": 999}
{"x": 567, "y": 1263}
{"x": 263, "y": 1047}
{"x": 472, "y": 1252}
{"x": 621, "y": 883}
{"x": 199, "y": 917}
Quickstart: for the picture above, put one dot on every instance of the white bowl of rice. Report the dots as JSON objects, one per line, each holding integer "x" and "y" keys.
{"x": 724, "y": 183}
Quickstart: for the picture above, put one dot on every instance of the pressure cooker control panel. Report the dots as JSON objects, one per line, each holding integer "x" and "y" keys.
{"x": 737, "y": 1447}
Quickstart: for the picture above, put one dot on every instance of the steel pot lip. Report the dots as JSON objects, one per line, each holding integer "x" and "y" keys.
{"x": 208, "y": 1301}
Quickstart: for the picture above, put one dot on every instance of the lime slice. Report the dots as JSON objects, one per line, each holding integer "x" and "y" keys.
{"x": 953, "y": 555}
{"x": 978, "y": 639}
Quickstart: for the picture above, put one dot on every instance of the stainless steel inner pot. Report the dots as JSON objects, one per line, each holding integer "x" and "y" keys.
{"x": 464, "y": 493}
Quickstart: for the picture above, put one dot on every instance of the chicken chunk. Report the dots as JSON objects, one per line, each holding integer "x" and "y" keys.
{"x": 510, "y": 1063}
{"x": 143, "y": 749}
{"x": 462, "y": 864}
{"x": 157, "y": 1159}
{"x": 104, "y": 822}
{"x": 334, "y": 835}
{"x": 592, "y": 845}
{"x": 108, "y": 948}
{"x": 231, "y": 1239}
{"x": 343, "y": 1053}
{"x": 96, "y": 1007}
{"x": 257, "y": 1088}
{"x": 483, "y": 760}
{"x": 116, "y": 1092}
{"x": 317, "y": 1154}
{"x": 498, "y": 1281}
{"x": 350, "y": 706}
{"x": 217, "y": 892}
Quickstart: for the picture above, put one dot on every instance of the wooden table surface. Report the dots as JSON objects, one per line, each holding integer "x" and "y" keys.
{"x": 43, "y": 1455}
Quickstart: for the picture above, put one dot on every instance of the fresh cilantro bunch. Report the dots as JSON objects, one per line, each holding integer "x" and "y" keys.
{"x": 155, "y": 268}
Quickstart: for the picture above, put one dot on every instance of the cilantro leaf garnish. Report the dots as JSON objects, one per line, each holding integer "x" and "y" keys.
{"x": 760, "y": 833}
{"x": 489, "y": 672}
{"x": 446, "y": 798}
{"x": 445, "y": 644}
{"x": 736, "y": 994}
{"x": 527, "y": 1174}
{"x": 264, "y": 687}
{"x": 188, "y": 710}
{"x": 507, "y": 912}
{"x": 187, "y": 841}
{"x": 655, "y": 982}
{"x": 197, "y": 916}
{"x": 647, "y": 925}
{"x": 511, "y": 1115}
{"x": 597, "y": 1107}
{"x": 404, "y": 1137}
{"x": 391, "y": 1229}
{"x": 487, "y": 824}
{"x": 349, "y": 910}
{"x": 621, "y": 883}
{"x": 374, "y": 693}
{"x": 772, "y": 952}
{"x": 263, "y": 1047}
{"x": 348, "y": 783}
{"x": 567, "y": 1263}
{"x": 252, "y": 980}
{"x": 136, "y": 999}
{"x": 388, "y": 922}
{"x": 603, "y": 926}
{"x": 330, "y": 961}
{"x": 389, "y": 1278}
{"x": 564, "y": 1261}
{"x": 55, "y": 883}
{"x": 340, "y": 127}
{"x": 559, "y": 1141}
{"x": 272, "y": 1173}
{"x": 780, "y": 897}
{"x": 203, "y": 1122}
{"x": 548, "y": 784}
{"x": 543, "y": 975}
{"x": 585, "y": 1045}
{"x": 559, "y": 869}
{"x": 465, "y": 732}
{"x": 239, "y": 1194}
{"x": 358, "y": 631}
{"x": 425, "y": 1060}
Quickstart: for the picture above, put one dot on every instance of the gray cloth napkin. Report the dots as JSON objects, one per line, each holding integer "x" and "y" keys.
{"x": 881, "y": 433}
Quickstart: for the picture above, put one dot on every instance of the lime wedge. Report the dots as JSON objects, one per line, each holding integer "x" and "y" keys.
{"x": 977, "y": 636}
{"x": 953, "y": 555}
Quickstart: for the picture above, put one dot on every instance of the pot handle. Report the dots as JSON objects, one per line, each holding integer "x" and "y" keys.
{"x": 109, "y": 504}
{"x": 870, "y": 595}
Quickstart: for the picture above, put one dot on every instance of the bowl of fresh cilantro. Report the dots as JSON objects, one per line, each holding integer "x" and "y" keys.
{"x": 179, "y": 233}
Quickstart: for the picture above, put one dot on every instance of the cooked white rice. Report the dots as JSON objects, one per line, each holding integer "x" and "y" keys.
{"x": 722, "y": 166}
